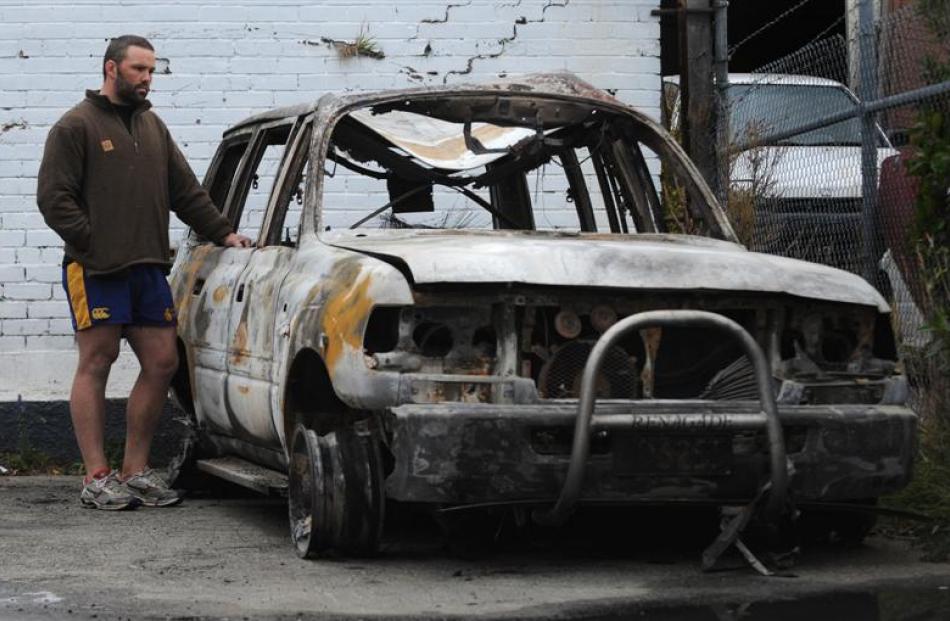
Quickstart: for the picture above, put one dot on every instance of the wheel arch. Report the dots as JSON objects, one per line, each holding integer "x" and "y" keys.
{"x": 309, "y": 397}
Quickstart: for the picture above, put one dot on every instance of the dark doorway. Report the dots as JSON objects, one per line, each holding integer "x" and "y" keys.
{"x": 813, "y": 19}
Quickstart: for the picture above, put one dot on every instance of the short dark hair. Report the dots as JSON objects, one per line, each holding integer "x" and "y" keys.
{"x": 118, "y": 47}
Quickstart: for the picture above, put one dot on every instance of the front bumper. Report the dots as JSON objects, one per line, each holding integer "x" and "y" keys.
{"x": 645, "y": 451}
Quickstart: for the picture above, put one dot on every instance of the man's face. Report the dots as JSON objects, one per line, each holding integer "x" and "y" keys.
{"x": 133, "y": 76}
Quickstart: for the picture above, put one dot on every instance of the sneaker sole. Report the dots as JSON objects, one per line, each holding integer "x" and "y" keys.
{"x": 90, "y": 504}
{"x": 160, "y": 503}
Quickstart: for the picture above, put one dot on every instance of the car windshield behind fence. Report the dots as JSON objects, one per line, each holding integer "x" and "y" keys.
{"x": 505, "y": 163}
{"x": 761, "y": 109}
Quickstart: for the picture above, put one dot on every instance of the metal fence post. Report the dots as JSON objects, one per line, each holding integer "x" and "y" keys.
{"x": 701, "y": 106}
{"x": 867, "y": 91}
{"x": 721, "y": 64}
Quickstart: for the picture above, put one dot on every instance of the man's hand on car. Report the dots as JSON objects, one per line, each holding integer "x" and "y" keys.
{"x": 236, "y": 240}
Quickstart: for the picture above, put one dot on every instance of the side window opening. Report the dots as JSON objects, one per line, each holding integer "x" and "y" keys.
{"x": 282, "y": 224}
{"x": 249, "y": 204}
{"x": 220, "y": 177}
{"x": 223, "y": 176}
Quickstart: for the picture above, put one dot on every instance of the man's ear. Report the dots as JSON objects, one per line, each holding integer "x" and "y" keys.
{"x": 111, "y": 69}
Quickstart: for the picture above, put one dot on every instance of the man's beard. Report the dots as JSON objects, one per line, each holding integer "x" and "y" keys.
{"x": 125, "y": 91}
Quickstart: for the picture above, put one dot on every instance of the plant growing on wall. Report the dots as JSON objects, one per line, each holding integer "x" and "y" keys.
{"x": 362, "y": 45}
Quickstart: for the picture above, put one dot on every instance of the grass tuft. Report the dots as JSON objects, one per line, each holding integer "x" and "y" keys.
{"x": 363, "y": 45}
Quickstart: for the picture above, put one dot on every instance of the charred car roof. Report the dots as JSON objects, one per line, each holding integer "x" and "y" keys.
{"x": 556, "y": 85}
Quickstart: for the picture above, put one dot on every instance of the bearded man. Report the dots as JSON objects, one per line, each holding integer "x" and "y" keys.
{"x": 110, "y": 175}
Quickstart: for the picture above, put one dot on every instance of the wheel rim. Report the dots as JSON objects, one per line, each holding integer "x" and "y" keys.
{"x": 305, "y": 483}
{"x": 335, "y": 492}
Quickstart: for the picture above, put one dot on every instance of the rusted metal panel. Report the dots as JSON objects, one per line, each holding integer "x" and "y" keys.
{"x": 255, "y": 315}
{"x": 329, "y": 296}
{"x": 203, "y": 285}
{"x": 210, "y": 400}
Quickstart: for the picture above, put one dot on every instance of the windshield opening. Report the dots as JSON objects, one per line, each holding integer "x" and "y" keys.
{"x": 506, "y": 163}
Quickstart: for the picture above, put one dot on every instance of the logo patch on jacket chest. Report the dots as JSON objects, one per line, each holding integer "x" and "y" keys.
{"x": 107, "y": 145}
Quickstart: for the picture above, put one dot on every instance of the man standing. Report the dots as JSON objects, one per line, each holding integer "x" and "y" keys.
{"x": 110, "y": 174}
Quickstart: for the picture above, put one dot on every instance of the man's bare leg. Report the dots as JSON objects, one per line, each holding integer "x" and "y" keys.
{"x": 98, "y": 349}
{"x": 156, "y": 349}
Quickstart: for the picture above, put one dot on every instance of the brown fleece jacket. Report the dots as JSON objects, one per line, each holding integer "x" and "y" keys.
{"x": 107, "y": 192}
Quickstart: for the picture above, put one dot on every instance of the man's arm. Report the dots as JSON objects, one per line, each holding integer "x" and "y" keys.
{"x": 59, "y": 185}
{"x": 193, "y": 204}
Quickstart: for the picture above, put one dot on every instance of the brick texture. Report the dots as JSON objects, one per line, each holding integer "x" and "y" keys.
{"x": 224, "y": 61}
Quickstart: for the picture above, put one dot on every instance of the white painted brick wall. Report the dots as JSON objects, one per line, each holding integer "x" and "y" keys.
{"x": 227, "y": 60}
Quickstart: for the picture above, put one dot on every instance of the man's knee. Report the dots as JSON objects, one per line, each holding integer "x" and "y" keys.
{"x": 161, "y": 364}
{"x": 98, "y": 360}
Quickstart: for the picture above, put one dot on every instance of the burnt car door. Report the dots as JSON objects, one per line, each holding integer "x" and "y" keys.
{"x": 200, "y": 285}
{"x": 212, "y": 284}
{"x": 257, "y": 316}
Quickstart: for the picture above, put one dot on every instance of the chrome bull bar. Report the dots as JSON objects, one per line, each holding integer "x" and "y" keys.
{"x": 582, "y": 429}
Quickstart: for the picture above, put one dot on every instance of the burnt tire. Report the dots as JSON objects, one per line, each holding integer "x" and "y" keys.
{"x": 335, "y": 493}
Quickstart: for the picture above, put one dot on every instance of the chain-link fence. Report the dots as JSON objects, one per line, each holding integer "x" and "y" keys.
{"x": 857, "y": 178}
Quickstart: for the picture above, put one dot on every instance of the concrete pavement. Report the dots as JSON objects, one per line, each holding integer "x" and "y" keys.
{"x": 227, "y": 555}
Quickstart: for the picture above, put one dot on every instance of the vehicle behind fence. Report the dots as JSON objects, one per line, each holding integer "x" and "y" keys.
{"x": 856, "y": 178}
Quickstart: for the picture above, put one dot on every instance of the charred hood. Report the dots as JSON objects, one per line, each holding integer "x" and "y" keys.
{"x": 644, "y": 262}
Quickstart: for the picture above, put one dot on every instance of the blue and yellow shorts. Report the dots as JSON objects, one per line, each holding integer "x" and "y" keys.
{"x": 138, "y": 295}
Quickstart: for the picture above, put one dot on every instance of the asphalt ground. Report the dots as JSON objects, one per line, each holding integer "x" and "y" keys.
{"x": 226, "y": 554}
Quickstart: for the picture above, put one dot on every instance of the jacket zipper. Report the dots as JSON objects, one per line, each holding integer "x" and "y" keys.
{"x": 135, "y": 140}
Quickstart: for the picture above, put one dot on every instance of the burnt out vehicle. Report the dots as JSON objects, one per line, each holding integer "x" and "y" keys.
{"x": 484, "y": 296}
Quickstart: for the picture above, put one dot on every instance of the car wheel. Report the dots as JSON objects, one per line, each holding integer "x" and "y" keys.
{"x": 335, "y": 492}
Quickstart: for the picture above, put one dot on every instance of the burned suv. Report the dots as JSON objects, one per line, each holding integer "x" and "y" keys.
{"x": 515, "y": 295}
